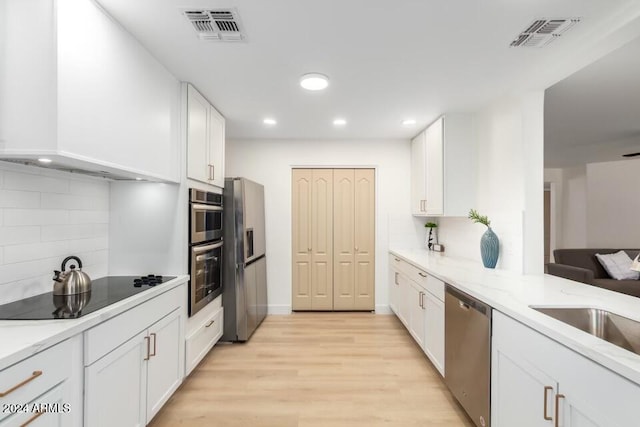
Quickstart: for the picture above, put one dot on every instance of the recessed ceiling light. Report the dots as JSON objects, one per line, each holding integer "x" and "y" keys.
{"x": 408, "y": 122}
{"x": 138, "y": 178}
{"x": 44, "y": 160}
{"x": 314, "y": 81}
{"x": 339, "y": 122}
{"x": 270, "y": 122}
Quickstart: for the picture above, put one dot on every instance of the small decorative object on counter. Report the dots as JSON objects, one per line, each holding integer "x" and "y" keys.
{"x": 489, "y": 244}
{"x": 432, "y": 237}
{"x": 72, "y": 281}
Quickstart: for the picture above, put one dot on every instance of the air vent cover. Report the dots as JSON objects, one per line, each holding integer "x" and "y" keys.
{"x": 216, "y": 24}
{"x": 541, "y": 32}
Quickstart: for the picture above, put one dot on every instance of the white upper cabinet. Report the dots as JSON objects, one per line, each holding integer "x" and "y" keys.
{"x": 79, "y": 89}
{"x": 205, "y": 140}
{"x": 443, "y": 167}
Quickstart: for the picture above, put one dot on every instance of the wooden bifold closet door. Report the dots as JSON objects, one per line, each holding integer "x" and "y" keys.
{"x": 333, "y": 239}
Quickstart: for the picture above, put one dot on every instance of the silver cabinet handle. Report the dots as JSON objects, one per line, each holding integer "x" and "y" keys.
{"x": 209, "y": 324}
{"x": 155, "y": 339}
{"x": 558, "y": 397}
{"x": 546, "y": 404}
{"x": 422, "y": 294}
{"x": 422, "y": 274}
{"x": 397, "y": 259}
{"x": 356, "y": 249}
{"x": 210, "y": 172}
{"x": 396, "y": 278}
{"x": 148, "y": 341}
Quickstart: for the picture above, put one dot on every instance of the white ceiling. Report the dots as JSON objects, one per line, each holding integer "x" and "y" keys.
{"x": 594, "y": 114}
{"x": 387, "y": 59}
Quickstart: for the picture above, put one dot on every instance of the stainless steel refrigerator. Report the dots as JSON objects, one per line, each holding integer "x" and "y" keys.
{"x": 244, "y": 294}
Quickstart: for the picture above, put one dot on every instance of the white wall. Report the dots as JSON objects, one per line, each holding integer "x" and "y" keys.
{"x": 148, "y": 229}
{"x": 571, "y": 205}
{"x": 613, "y": 205}
{"x": 270, "y": 163}
{"x": 509, "y": 185}
{"x": 44, "y": 217}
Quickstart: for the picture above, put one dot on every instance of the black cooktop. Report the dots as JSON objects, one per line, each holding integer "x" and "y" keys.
{"x": 104, "y": 292}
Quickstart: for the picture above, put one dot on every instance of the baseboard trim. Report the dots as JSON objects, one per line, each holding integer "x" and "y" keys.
{"x": 279, "y": 309}
{"x": 383, "y": 309}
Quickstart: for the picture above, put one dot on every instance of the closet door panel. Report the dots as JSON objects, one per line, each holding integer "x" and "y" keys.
{"x": 322, "y": 239}
{"x": 343, "y": 239}
{"x": 301, "y": 238}
{"x": 364, "y": 232}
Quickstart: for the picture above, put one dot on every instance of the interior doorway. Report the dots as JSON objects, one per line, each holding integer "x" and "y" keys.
{"x": 333, "y": 239}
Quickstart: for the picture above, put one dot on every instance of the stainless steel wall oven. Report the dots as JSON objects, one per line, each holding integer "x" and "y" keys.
{"x": 205, "y": 248}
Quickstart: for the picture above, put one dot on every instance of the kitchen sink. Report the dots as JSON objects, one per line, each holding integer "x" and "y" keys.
{"x": 603, "y": 324}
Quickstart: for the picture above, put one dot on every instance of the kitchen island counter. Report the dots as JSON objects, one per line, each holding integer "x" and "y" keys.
{"x": 512, "y": 294}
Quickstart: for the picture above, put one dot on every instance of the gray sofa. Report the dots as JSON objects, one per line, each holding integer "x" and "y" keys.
{"x": 582, "y": 265}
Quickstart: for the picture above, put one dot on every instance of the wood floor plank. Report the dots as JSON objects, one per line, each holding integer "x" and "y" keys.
{"x": 312, "y": 370}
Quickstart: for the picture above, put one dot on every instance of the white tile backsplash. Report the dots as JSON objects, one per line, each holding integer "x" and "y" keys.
{"x": 15, "y": 217}
{"x": 19, "y": 199}
{"x": 44, "y": 217}
{"x": 31, "y": 182}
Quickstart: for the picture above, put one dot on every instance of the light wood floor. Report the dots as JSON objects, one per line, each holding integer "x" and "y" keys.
{"x": 316, "y": 369}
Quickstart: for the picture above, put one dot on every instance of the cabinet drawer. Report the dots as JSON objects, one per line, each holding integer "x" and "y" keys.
{"x": 53, "y": 399}
{"x": 433, "y": 285}
{"x": 203, "y": 339}
{"x": 26, "y": 380}
{"x": 102, "y": 339}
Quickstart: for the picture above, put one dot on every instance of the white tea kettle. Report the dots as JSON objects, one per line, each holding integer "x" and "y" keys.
{"x": 71, "y": 282}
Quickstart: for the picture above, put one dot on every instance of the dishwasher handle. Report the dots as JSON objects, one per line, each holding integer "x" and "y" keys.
{"x": 467, "y": 302}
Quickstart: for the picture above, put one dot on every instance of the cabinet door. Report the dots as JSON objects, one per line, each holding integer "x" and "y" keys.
{"x": 418, "y": 175}
{"x": 435, "y": 168}
{"x": 394, "y": 290}
{"x": 519, "y": 396}
{"x": 166, "y": 365}
{"x": 116, "y": 386}
{"x": 301, "y": 238}
{"x": 404, "y": 295}
{"x": 216, "y": 147}
{"x": 434, "y": 330}
{"x": 416, "y": 313}
{"x": 197, "y": 136}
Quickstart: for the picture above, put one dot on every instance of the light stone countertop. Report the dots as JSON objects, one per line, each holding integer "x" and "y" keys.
{"x": 513, "y": 293}
{"x": 22, "y": 338}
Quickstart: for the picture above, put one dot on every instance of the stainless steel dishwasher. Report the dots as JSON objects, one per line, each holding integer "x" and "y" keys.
{"x": 467, "y": 352}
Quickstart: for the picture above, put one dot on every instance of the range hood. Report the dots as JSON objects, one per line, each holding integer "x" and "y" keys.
{"x": 72, "y": 163}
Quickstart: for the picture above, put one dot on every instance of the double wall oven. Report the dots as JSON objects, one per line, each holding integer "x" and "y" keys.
{"x": 205, "y": 248}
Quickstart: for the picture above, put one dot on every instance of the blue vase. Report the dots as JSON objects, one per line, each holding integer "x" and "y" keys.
{"x": 489, "y": 248}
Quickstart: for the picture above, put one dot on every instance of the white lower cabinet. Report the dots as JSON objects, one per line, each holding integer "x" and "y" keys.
{"x": 205, "y": 330}
{"x": 150, "y": 366}
{"x": 416, "y": 313}
{"x": 45, "y": 389}
{"x": 417, "y": 298}
{"x": 394, "y": 290}
{"x": 134, "y": 362}
{"x": 434, "y": 330}
{"x": 539, "y": 382}
{"x": 165, "y": 366}
{"x": 116, "y": 386}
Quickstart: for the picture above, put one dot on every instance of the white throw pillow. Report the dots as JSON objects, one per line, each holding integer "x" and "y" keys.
{"x": 618, "y": 266}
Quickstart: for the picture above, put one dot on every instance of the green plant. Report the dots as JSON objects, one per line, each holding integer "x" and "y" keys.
{"x": 431, "y": 225}
{"x": 477, "y": 218}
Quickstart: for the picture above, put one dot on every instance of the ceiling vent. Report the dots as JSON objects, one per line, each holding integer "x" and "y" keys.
{"x": 216, "y": 24}
{"x": 541, "y": 32}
